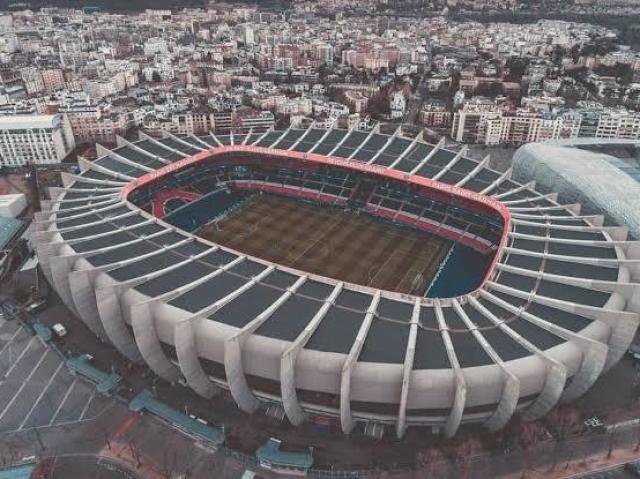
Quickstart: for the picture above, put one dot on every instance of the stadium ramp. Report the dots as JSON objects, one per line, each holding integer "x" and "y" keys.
{"x": 145, "y": 401}
{"x": 105, "y": 382}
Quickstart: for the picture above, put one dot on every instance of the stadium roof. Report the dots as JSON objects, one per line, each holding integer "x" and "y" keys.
{"x": 563, "y": 294}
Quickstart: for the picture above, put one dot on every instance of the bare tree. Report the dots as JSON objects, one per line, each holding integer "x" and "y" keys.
{"x": 464, "y": 454}
{"x": 611, "y": 439}
{"x": 103, "y": 429}
{"x": 169, "y": 462}
{"x": 134, "y": 449}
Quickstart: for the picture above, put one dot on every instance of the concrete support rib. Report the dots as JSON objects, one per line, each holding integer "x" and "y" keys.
{"x": 187, "y": 351}
{"x": 277, "y": 140}
{"x": 625, "y": 289}
{"x": 339, "y": 144}
{"x": 124, "y": 142}
{"x": 206, "y": 145}
{"x": 596, "y": 220}
{"x": 62, "y": 267}
{"x": 556, "y": 376}
{"x": 144, "y": 136}
{"x": 288, "y": 361}
{"x": 148, "y": 342}
{"x": 183, "y": 142}
{"x": 364, "y": 142}
{"x": 481, "y": 164}
{"x": 594, "y": 353}
{"x": 295, "y": 143}
{"x": 531, "y": 199}
{"x": 110, "y": 314}
{"x": 185, "y": 340}
{"x": 248, "y": 135}
{"x": 141, "y": 317}
{"x": 384, "y": 147}
{"x": 96, "y": 167}
{"x": 525, "y": 186}
{"x": 460, "y": 397}
{"x": 108, "y": 307}
{"x": 407, "y": 369}
{"x": 626, "y": 245}
{"x": 260, "y": 138}
{"x": 616, "y": 232}
{"x": 430, "y": 155}
{"x": 234, "y": 370}
{"x": 623, "y": 323}
{"x": 401, "y": 156}
{"x": 610, "y": 262}
{"x": 122, "y": 159}
{"x": 511, "y": 386}
{"x": 346, "y": 419}
{"x": 59, "y": 267}
{"x": 319, "y": 142}
{"x": 504, "y": 176}
{"x": 575, "y": 208}
{"x": 621, "y": 338}
{"x": 448, "y": 166}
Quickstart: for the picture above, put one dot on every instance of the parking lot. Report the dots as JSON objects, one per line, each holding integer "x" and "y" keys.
{"x": 36, "y": 389}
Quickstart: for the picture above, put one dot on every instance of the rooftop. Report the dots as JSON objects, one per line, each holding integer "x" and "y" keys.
{"x": 20, "y": 122}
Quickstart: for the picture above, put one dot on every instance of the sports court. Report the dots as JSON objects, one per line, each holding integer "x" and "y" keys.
{"x": 330, "y": 241}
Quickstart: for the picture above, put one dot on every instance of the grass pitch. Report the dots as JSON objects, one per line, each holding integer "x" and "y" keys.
{"x": 332, "y": 242}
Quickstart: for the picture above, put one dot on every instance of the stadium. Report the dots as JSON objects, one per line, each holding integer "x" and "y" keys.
{"x": 362, "y": 278}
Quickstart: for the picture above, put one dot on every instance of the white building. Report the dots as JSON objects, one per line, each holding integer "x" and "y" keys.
{"x": 397, "y": 105}
{"x": 155, "y": 46}
{"x": 39, "y": 139}
{"x": 11, "y": 206}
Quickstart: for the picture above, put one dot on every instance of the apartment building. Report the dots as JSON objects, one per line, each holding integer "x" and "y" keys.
{"x": 35, "y": 139}
{"x": 494, "y": 126}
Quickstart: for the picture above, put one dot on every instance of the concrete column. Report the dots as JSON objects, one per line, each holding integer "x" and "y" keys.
{"x": 460, "y": 397}
{"x": 623, "y": 323}
{"x": 511, "y": 386}
{"x": 288, "y": 361}
{"x": 234, "y": 370}
{"x": 60, "y": 267}
{"x": 407, "y": 369}
{"x": 149, "y": 343}
{"x": 556, "y": 376}
{"x": 110, "y": 315}
{"x": 346, "y": 419}
{"x": 187, "y": 351}
{"x": 594, "y": 353}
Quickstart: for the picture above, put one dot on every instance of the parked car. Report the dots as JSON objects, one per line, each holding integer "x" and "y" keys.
{"x": 60, "y": 330}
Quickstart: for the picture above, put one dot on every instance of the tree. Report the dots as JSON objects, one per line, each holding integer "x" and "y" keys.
{"x": 134, "y": 449}
{"x": 378, "y": 104}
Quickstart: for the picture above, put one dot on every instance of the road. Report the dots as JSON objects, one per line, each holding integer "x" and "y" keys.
{"x": 415, "y": 102}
